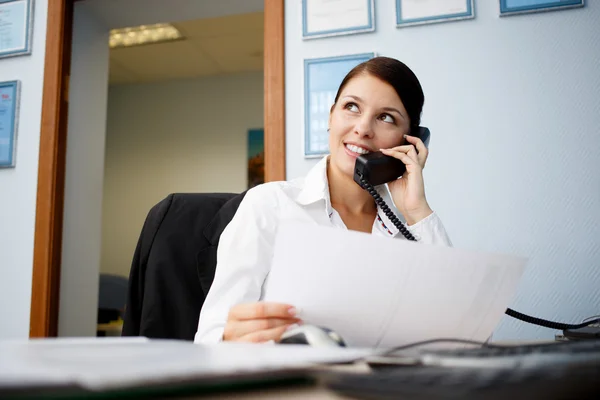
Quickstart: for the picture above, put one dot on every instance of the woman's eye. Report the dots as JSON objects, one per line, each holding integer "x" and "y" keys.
{"x": 387, "y": 118}
{"x": 352, "y": 107}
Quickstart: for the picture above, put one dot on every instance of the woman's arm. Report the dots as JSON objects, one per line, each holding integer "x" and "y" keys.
{"x": 243, "y": 261}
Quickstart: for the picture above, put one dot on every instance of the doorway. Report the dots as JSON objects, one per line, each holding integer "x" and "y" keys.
{"x": 52, "y": 248}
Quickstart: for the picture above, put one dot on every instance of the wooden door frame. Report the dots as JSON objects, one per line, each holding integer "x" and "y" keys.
{"x": 47, "y": 245}
{"x": 53, "y": 144}
{"x": 274, "y": 81}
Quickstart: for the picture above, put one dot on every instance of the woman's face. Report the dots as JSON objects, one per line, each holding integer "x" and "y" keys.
{"x": 368, "y": 116}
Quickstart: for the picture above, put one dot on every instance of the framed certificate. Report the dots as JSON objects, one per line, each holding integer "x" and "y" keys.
{"x": 9, "y": 109}
{"x": 322, "y": 77}
{"x": 322, "y": 18}
{"x": 510, "y": 7}
{"x": 419, "y": 12}
{"x": 16, "y": 22}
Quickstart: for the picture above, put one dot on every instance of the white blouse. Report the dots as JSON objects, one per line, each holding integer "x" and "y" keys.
{"x": 246, "y": 245}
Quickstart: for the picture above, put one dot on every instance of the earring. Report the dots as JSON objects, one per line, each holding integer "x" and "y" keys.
{"x": 328, "y": 129}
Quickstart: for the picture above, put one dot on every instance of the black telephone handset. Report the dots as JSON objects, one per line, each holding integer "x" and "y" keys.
{"x": 376, "y": 168}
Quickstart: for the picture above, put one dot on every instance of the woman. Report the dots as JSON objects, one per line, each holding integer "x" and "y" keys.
{"x": 377, "y": 106}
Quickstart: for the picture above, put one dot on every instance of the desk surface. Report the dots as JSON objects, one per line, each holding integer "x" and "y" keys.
{"x": 313, "y": 392}
{"x": 85, "y": 361}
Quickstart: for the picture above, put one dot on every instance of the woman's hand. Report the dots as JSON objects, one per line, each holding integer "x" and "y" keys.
{"x": 409, "y": 191}
{"x": 259, "y": 322}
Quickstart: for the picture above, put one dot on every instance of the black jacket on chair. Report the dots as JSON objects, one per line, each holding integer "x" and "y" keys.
{"x": 174, "y": 264}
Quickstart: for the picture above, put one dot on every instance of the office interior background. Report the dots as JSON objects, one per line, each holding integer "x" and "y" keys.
{"x": 178, "y": 118}
{"x": 512, "y": 104}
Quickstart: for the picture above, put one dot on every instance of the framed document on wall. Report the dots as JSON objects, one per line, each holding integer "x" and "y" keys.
{"x": 419, "y": 12}
{"x": 9, "y": 110}
{"x": 322, "y": 77}
{"x": 510, "y": 7}
{"x": 322, "y": 18}
{"x": 16, "y": 22}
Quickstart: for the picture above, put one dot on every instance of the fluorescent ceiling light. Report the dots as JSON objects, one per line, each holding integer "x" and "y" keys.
{"x": 144, "y": 34}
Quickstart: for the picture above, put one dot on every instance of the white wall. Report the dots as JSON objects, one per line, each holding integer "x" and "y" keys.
{"x": 176, "y": 136}
{"x": 18, "y": 186}
{"x": 84, "y": 176}
{"x": 514, "y": 111}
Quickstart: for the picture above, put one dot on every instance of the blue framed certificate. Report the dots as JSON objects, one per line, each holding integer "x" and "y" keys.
{"x": 9, "y": 107}
{"x": 16, "y": 22}
{"x": 419, "y": 12}
{"x": 322, "y": 77}
{"x": 510, "y": 7}
{"x": 322, "y": 18}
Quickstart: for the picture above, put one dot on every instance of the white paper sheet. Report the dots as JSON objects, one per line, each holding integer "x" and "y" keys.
{"x": 381, "y": 292}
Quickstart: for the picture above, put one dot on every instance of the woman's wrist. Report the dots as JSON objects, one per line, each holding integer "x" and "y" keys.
{"x": 415, "y": 216}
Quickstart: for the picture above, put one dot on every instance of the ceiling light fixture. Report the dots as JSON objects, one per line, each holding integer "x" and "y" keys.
{"x": 144, "y": 34}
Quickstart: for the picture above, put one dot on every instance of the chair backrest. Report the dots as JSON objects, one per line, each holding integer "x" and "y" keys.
{"x": 112, "y": 293}
{"x": 174, "y": 264}
{"x": 112, "y": 297}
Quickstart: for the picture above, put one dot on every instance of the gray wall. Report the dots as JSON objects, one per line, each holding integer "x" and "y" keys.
{"x": 514, "y": 111}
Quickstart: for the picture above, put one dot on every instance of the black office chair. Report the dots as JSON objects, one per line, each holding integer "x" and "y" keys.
{"x": 112, "y": 297}
{"x": 174, "y": 264}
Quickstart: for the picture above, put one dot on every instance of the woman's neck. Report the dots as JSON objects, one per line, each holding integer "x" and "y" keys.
{"x": 347, "y": 194}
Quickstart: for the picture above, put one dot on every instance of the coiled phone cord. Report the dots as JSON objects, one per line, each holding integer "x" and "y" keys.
{"x": 510, "y": 312}
{"x": 384, "y": 207}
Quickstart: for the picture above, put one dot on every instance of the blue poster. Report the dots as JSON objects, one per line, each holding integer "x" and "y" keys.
{"x": 9, "y": 93}
{"x": 527, "y": 6}
{"x": 322, "y": 77}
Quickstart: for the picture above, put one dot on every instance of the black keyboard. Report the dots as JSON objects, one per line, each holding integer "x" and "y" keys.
{"x": 513, "y": 356}
{"x": 571, "y": 371}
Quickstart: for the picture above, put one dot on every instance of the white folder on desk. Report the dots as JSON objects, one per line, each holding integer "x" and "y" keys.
{"x": 381, "y": 292}
{"x": 118, "y": 364}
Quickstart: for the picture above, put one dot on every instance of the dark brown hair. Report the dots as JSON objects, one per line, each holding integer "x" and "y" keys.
{"x": 400, "y": 77}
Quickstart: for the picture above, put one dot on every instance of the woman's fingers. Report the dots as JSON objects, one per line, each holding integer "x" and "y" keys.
{"x": 265, "y": 335}
{"x": 262, "y": 310}
{"x": 402, "y": 156}
{"x": 422, "y": 150}
{"x": 260, "y": 321}
{"x": 238, "y": 329}
{"x": 407, "y": 149}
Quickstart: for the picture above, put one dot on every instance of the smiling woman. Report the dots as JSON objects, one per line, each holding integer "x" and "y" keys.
{"x": 377, "y": 107}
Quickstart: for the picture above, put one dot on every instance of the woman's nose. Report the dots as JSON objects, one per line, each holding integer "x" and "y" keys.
{"x": 363, "y": 127}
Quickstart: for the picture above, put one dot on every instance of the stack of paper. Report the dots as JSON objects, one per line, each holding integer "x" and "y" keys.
{"x": 382, "y": 292}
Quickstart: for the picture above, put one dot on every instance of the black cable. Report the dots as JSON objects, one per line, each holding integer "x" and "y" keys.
{"x": 546, "y": 323}
{"x": 384, "y": 207}
{"x": 596, "y": 317}
{"x": 388, "y": 352}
